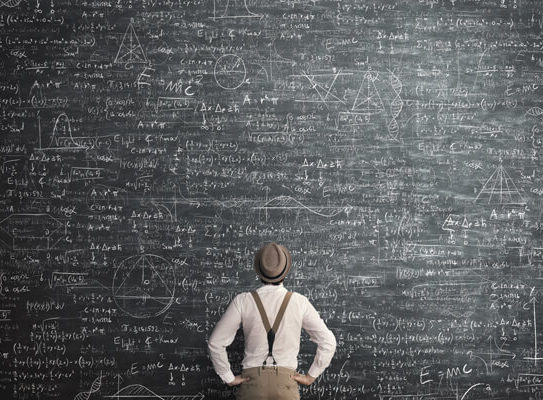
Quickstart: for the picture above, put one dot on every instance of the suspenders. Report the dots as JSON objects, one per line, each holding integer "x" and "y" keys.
{"x": 271, "y": 330}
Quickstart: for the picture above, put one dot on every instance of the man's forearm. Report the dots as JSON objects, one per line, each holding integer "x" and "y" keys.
{"x": 219, "y": 359}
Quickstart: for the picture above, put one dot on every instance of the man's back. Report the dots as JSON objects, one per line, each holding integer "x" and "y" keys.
{"x": 299, "y": 314}
{"x": 267, "y": 341}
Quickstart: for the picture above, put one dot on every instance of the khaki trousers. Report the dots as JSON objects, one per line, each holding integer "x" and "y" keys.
{"x": 268, "y": 383}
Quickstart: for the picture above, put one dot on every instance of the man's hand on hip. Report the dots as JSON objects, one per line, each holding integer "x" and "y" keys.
{"x": 303, "y": 379}
{"x": 238, "y": 379}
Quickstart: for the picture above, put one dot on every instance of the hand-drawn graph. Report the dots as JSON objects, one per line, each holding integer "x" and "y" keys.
{"x": 230, "y": 71}
{"x": 95, "y": 386}
{"x": 30, "y": 231}
{"x": 499, "y": 189}
{"x": 130, "y": 50}
{"x": 223, "y": 9}
{"x": 290, "y": 203}
{"x": 61, "y": 135}
{"x": 144, "y": 285}
{"x": 272, "y": 61}
{"x": 141, "y": 392}
{"x": 494, "y": 352}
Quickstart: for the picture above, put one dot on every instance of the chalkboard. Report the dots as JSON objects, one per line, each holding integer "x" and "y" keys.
{"x": 148, "y": 148}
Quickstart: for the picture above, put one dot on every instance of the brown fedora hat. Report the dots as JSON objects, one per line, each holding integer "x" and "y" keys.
{"x": 272, "y": 262}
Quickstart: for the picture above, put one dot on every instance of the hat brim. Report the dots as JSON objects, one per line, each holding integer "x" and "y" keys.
{"x": 282, "y": 276}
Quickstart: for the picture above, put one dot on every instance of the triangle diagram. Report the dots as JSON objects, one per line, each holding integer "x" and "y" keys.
{"x": 130, "y": 50}
{"x": 324, "y": 86}
{"x": 368, "y": 100}
{"x": 500, "y": 189}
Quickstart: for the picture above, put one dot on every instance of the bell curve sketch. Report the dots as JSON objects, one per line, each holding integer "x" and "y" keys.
{"x": 230, "y": 71}
{"x": 227, "y": 9}
{"x": 144, "y": 285}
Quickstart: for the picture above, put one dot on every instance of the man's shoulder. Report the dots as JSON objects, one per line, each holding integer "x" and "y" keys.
{"x": 247, "y": 294}
{"x": 298, "y": 295}
{"x": 302, "y": 300}
{"x": 241, "y": 297}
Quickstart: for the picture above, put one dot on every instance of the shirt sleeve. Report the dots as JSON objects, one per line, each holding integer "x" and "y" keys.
{"x": 222, "y": 336}
{"x": 322, "y": 336}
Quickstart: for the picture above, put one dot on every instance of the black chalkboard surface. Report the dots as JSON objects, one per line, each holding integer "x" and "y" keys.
{"x": 149, "y": 147}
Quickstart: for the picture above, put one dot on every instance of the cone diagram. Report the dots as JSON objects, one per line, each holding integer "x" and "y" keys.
{"x": 500, "y": 189}
{"x": 368, "y": 100}
{"x": 130, "y": 50}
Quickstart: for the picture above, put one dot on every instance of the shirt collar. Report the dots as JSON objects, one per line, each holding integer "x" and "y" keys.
{"x": 270, "y": 287}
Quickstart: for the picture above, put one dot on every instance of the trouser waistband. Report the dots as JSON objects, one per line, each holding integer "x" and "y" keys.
{"x": 270, "y": 368}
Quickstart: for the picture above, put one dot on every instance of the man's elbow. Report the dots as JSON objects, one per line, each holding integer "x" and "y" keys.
{"x": 333, "y": 342}
{"x": 213, "y": 346}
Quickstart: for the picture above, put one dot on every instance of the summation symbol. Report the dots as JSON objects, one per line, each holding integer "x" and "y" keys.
{"x": 130, "y": 50}
{"x": 500, "y": 189}
{"x": 144, "y": 285}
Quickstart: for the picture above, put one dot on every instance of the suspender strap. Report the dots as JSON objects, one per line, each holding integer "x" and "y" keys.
{"x": 261, "y": 310}
{"x": 281, "y": 311}
{"x": 271, "y": 331}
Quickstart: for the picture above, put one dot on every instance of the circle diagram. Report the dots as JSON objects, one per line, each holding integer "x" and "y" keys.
{"x": 230, "y": 71}
{"x": 144, "y": 285}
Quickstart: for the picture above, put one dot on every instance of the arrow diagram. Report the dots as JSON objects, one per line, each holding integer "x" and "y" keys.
{"x": 535, "y": 357}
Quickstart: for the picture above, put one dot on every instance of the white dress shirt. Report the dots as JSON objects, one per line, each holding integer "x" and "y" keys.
{"x": 242, "y": 311}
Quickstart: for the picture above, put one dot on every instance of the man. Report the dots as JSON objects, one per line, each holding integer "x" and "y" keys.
{"x": 264, "y": 345}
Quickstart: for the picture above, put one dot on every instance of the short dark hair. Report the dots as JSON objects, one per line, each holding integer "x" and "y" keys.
{"x": 272, "y": 283}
